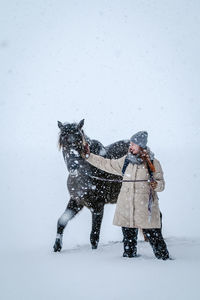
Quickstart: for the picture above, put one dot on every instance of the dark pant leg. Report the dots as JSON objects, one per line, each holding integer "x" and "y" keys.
{"x": 130, "y": 240}
{"x": 157, "y": 243}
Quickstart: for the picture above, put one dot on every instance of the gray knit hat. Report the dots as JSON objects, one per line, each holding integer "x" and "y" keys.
{"x": 140, "y": 138}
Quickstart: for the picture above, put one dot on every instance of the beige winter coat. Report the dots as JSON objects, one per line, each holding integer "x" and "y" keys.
{"x": 132, "y": 203}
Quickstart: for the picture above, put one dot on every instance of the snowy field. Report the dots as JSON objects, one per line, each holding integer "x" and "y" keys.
{"x": 83, "y": 273}
{"x": 123, "y": 66}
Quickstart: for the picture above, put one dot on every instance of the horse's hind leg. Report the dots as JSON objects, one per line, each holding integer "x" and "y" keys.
{"x": 71, "y": 210}
{"x": 97, "y": 215}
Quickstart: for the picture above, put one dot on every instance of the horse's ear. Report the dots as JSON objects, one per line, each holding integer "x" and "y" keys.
{"x": 60, "y": 125}
{"x": 81, "y": 123}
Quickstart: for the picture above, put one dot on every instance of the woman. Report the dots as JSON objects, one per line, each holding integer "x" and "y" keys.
{"x": 137, "y": 205}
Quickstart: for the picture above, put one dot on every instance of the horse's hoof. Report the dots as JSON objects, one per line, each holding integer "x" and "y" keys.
{"x": 57, "y": 246}
{"x": 94, "y": 246}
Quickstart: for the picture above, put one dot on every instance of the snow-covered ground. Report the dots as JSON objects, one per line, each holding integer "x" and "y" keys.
{"x": 82, "y": 273}
{"x": 123, "y": 66}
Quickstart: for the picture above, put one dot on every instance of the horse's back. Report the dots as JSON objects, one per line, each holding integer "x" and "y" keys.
{"x": 114, "y": 150}
{"x": 117, "y": 149}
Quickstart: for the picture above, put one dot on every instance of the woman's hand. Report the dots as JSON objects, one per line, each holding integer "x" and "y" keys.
{"x": 153, "y": 184}
{"x": 86, "y": 151}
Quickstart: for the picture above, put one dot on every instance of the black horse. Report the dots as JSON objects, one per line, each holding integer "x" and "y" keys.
{"x": 85, "y": 190}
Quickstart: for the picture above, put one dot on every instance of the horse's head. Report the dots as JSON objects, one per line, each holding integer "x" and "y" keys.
{"x": 71, "y": 135}
{"x": 71, "y": 140}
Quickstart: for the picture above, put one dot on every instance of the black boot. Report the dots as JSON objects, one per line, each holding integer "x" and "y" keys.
{"x": 157, "y": 243}
{"x": 130, "y": 241}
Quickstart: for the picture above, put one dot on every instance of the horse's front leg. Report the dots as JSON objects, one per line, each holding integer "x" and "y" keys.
{"x": 71, "y": 210}
{"x": 97, "y": 215}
